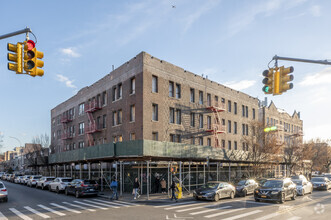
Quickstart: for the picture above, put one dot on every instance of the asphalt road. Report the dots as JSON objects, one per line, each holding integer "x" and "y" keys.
{"x": 30, "y": 203}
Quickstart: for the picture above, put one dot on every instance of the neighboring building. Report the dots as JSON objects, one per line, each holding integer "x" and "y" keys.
{"x": 9, "y": 155}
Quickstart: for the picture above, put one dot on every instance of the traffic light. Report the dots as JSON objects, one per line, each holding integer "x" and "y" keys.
{"x": 285, "y": 78}
{"x": 268, "y": 81}
{"x": 31, "y": 59}
{"x": 15, "y": 57}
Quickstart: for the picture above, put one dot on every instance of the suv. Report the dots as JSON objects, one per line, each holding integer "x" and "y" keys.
{"x": 43, "y": 182}
{"x": 277, "y": 190}
{"x": 245, "y": 187}
{"x": 3, "y": 192}
{"x": 322, "y": 183}
{"x": 25, "y": 179}
{"x": 32, "y": 181}
{"x": 59, "y": 184}
{"x": 80, "y": 188}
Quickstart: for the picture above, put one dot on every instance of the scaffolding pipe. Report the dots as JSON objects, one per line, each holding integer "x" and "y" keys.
{"x": 180, "y": 173}
{"x": 101, "y": 174}
{"x": 168, "y": 178}
{"x": 189, "y": 176}
{"x": 64, "y": 170}
{"x": 141, "y": 177}
{"x": 71, "y": 170}
{"x": 121, "y": 178}
{"x": 148, "y": 180}
{"x": 204, "y": 173}
{"x": 89, "y": 171}
{"x": 217, "y": 171}
{"x": 229, "y": 172}
{"x": 80, "y": 171}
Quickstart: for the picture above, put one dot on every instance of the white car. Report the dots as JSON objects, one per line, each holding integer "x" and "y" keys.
{"x": 59, "y": 184}
{"x": 25, "y": 179}
{"x": 3, "y": 192}
{"x": 18, "y": 179}
{"x": 43, "y": 182}
{"x": 303, "y": 187}
{"x": 32, "y": 181}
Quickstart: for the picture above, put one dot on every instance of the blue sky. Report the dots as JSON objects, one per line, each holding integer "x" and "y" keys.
{"x": 230, "y": 41}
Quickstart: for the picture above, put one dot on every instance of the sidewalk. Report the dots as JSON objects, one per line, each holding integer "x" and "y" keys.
{"x": 153, "y": 198}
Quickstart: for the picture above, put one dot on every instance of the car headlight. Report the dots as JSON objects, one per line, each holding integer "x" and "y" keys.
{"x": 274, "y": 192}
{"x": 210, "y": 194}
{"x": 256, "y": 191}
{"x": 322, "y": 184}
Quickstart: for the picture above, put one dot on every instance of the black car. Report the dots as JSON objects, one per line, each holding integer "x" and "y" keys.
{"x": 245, "y": 187}
{"x": 80, "y": 188}
{"x": 321, "y": 183}
{"x": 215, "y": 190}
{"x": 277, "y": 190}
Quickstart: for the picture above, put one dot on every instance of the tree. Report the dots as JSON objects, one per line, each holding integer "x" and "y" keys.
{"x": 293, "y": 152}
{"x": 36, "y": 153}
{"x": 319, "y": 153}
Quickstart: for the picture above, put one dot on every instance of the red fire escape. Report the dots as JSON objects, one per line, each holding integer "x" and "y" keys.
{"x": 91, "y": 128}
{"x": 65, "y": 119}
{"x": 216, "y": 127}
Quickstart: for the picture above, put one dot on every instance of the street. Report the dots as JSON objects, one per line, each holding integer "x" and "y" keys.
{"x": 30, "y": 203}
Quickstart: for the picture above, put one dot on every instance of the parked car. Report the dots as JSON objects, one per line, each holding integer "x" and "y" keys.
{"x": 299, "y": 177}
{"x": 18, "y": 179}
{"x": 327, "y": 175}
{"x": 215, "y": 190}
{"x": 277, "y": 190}
{"x": 303, "y": 186}
{"x": 1, "y": 174}
{"x": 245, "y": 187}
{"x": 32, "y": 181}
{"x": 3, "y": 192}
{"x": 8, "y": 176}
{"x": 25, "y": 179}
{"x": 59, "y": 184}
{"x": 43, "y": 182}
{"x": 321, "y": 183}
{"x": 80, "y": 188}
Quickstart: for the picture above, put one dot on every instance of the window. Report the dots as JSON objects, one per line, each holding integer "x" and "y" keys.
{"x": 201, "y": 141}
{"x": 192, "y": 140}
{"x": 132, "y": 113}
{"x": 216, "y": 100}
{"x": 244, "y": 146}
{"x": 119, "y": 138}
{"x": 243, "y": 129}
{"x": 155, "y": 136}
{"x": 133, "y": 86}
{"x": 132, "y": 136}
{"x": 154, "y": 84}
{"x": 119, "y": 96}
{"x": 178, "y": 138}
{"x": 171, "y": 115}
{"x": 246, "y": 111}
{"x": 104, "y": 121}
{"x": 192, "y": 119}
{"x": 208, "y": 141}
{"x": 155, "y": 116}
{"x": 200, "y": 121}
{"x": 178, "y": 116}
{"x": 114, "y": 93}
{"x": 99, "y": 122}
{"x": 229, "y": 145}
{"x": 235, "y": 145}
{"x": 235, "y": 108}
{"x": 171, "y": 89}
{"x": 243, "y": 110}
{"x": 208, "y": 99}
{"x": 208, "y": 122}
{"x": 229, "y": 106}
{"x": 172, "y": 138}
{"x": 247, "y": 129}
{"x": 192, "y": 96}
{"x": 253, "y": 113}
{"x": 114, "y": 118}
{"x": 81, "y": 128}
{"x": 104, "y": 98}
{"x": 178, "y": 92}
{"x": 81, "y": 144}
{"x": 81, "y": 109}
{"x": 235, "y": 127}
{"x": 119, "y": 117}
{"x": 223, "y": 121}
{"x": 74, "y": 146}
{"x": 200, "y": 97}
{"x": 223, "y": 143}
{"x": 229, "y": 126}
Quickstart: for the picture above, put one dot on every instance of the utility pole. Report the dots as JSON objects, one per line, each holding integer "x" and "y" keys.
{"x": 23, "y": 31}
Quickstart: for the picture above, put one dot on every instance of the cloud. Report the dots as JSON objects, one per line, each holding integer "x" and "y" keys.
{"x": 70, "y": 51}
{"x": 316, "y": 11}
{"x": 320, "y": 78}
{"x": 241, "y": 85}
{"x": 66, "y": 81}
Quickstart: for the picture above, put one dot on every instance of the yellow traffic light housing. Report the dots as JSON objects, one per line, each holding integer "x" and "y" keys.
{"x": 277, "y": 82}
{"x": 285, "y": 78}
{"x": 15, "y": 57}
{"x": 268, "y": 81}
{"x": 31, "y": 59}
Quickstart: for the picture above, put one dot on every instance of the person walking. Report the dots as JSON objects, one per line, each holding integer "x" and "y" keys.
{"x": 163, "y": 185}
{"x": 114, "y": 186}
{"x": 157, "y": 184}
{"x": 173, "y": 188}
{"x": 136, "y": 186}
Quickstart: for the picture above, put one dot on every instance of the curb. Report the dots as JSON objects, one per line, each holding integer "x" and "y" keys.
{"x": 148, "y": 201}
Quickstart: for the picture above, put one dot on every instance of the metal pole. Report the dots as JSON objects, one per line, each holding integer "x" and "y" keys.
{"x": 217, "y": 170}
{"x": 204, "y": 173}
{"x": 71, "y": 170}
{"x": 168, "y": 177}
{"x": 196, "y": 176}
{"x": 89, "y": 171}
{"x": 23, "y": 31}
{"x": 141, "y": 177}
{"x": 180, "y": 173}
{"x": 325, "y": 62}
{"x": 64, "y": 170}
{"x": 101, "y": 174}
{"x": 121, "y": 186}
{"x": 189, "y": 176}
{"x": 147, "y": 180}
{"x": 229, "y": 172}
{"x": 80, "y": 171}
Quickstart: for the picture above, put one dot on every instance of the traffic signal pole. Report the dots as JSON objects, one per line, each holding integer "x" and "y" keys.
{"x": 23, "y": 31}
{"x": 276, "y": 58}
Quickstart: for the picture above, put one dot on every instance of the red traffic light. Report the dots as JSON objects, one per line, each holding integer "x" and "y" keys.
{"x": 30, "y": 44}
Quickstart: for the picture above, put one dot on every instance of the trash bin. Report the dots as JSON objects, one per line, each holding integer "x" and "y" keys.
{"x": 179, "y": 192}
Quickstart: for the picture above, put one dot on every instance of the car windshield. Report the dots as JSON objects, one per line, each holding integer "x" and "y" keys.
{"x": 66, "y": 180}
{"x": 1, "y": 185}
{"x": 317, "y": 179}
{"x": 298, "y": 182}
{"x": 242, "y": 182}
{"x": 37, "y": 177}
{"x": 273, "y": 184}
{"x": 90, "y": 182}
{"x": 48, "y": 179}
{"x": 211, "y": 186}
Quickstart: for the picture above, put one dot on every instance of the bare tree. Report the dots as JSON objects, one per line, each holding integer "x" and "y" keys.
{"x": 319, "y": 153}
{"x": 293, "y": 152}
{"x": 36, "y": 153}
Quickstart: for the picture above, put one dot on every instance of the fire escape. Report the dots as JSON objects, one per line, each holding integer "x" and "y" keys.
{"x": 216, "y": 127}
{"x": 91, "y": 128}
{"x": 65, "y": 119}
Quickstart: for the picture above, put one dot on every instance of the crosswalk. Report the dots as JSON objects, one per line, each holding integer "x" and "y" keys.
{"x": 52, "y": 210}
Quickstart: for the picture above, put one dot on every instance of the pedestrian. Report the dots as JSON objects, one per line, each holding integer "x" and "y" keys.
{"x": 114, "y": 186}
{"x": 157, "y": 184}
{"x": 136, "y": 186}
{"x": 173, "y": 188}
{"x": 163, "y": 185}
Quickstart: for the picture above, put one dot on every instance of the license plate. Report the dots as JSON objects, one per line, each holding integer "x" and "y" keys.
{"x": 263, "y": 196}
{"x": 199, "y": 197}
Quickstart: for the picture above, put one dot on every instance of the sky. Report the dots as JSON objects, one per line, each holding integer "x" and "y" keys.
{"x": 231, "y": 42}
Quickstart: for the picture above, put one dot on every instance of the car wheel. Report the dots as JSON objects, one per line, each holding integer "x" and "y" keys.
{"x": 216, "y": 197}
{"x": 57, "y": 190}
{"x": 232, "y": 195}
{"x": 42, "y": 187}
{"x": 257, "y": 200}
{"x": 5, "y": 199}
{"x": 66, "y": 192}
{"x": 294, "y": 195}
{"x": 50, "y": 188}
{"x": 196, "y": 198}
{"x": 282, "y": 198}
{"x": 244, "y": 193}
{"x": 303, "y": 192}
{"x": 77, "y": 194}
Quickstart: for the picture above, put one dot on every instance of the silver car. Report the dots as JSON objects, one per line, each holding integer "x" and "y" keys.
{"x": 59, "y": 184}
{"x": 32, "y": 181}
{"x": 303, "y": 187}
{"x": 3, "y": 192}
{"x": 43, "y": 182}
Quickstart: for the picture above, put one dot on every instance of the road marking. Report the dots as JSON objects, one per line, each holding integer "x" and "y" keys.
{"x": 20, "y": 214}
{"x": 52, "y": 210}
{"x": 2, "y": 217}
{"x": 113, "y": 203}
{"x": 243, "y": 215}
{"x": 210, "y": 210}
{"x": 181, "y": 206}
{"x": 200, "y": 207}
{"x": 223, "y": 213}
{"x": 78, "y": 206}
{"x": 295, "y": 218}
{"x": 127, "y": 203}
{"x": 161, "y": 206}
{"x": 252, "y": 202}
{"x": 36, "y": 212}
{"x": 99, "y": 203}
{"x": 65, "y": 208}
{"x": 94, "y": 206}
{"x": 268, "y": 216}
